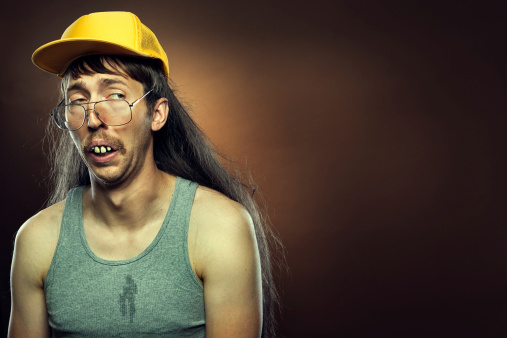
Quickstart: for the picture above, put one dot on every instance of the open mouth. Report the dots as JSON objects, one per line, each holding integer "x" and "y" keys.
{"x": 101, "y": 150}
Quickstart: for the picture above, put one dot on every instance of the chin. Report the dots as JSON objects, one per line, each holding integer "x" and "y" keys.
{"x": 109, "y": 179}
{"x": 106, "y": 181}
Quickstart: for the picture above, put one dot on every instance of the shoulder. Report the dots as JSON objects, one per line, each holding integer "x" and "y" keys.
{"x": 33, "y": 252}
{"x": 219, "y": 227}
{"x": 214, "y": 211}
{"x": 227, "y": 262}
{"x": 37, "y": 238}
{"x": 44, "y": 224}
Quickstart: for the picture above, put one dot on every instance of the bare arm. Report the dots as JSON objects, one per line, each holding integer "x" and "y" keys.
{"x": 33, "y": 251}
{"x": 227, "y": 261}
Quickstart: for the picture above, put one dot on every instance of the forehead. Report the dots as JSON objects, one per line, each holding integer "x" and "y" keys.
{"x": 96, "y": 69}
{"x": 97, "y": 81}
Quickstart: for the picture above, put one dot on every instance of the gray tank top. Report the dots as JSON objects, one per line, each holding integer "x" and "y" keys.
{"x": 155, "y": 294}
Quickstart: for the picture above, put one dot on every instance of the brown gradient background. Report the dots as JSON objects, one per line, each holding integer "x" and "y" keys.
{"x": 375, "y": 130}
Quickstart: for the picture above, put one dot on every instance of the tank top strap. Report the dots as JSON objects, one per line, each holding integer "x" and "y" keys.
{"x": 73, "y": 206}
{"x": 72, "y": 216}
{"x": 178, "y": 218}
{"x": 68, "y": 240}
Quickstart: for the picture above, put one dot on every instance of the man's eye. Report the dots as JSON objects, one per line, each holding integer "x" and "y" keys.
{"x": 78, "y": 101}
{"x": 116, "y": 96}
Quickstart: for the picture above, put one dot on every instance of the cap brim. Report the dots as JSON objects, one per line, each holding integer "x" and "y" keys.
{"x": 56, "y": 56}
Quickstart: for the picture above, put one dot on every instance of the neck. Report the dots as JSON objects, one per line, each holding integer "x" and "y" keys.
{"x": 133, "y": 203}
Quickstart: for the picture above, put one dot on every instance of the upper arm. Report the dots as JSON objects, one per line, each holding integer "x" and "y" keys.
{"x": 33, "y": 250}
{"x": 231, "y": 273}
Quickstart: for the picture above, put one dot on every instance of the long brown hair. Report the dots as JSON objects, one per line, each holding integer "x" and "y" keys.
{"x": 180, "y": 148}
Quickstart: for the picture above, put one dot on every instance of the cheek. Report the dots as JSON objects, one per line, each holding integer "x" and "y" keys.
{"x": 147, "y": 119}
{"x": 143, "y": 125}
{"x": 143, "y": 135}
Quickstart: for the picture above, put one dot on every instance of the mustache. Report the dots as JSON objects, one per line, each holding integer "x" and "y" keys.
{"x": 116, "y": 143}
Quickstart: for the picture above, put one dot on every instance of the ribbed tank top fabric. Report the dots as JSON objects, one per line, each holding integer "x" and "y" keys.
{"x": 155, "y": 294}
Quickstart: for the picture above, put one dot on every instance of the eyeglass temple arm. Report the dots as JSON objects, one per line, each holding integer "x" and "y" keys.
{"x": 142, "y": 97}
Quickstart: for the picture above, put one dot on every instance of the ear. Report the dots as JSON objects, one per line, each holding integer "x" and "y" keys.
{"x": 160, "y": 113}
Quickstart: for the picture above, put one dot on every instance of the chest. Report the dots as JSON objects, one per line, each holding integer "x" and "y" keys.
{"x": 119, "y": 244}
{"x": 154, "y": 292}
{"x": 125, "y": 301}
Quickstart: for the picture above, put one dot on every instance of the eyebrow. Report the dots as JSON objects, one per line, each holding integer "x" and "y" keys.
{"x": 76, "y": 86}
{"x": 103, "y": 83}
{"x": 109, "y": 82}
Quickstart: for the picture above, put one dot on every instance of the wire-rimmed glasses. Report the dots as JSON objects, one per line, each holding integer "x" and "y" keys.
{"x": 110, "y": 112}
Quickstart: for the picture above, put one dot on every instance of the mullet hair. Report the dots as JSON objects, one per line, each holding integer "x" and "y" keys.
{"x": 182, "y": 149}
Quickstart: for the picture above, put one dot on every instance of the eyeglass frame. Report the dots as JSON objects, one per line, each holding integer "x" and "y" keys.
{"x": 86, "y": 111}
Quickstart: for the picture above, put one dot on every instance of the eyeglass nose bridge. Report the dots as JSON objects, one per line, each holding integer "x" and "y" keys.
{"x": 87, "y": 114}
{"x": 89, "y": 104}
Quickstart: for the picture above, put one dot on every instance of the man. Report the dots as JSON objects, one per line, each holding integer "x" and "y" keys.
{"x": 147, "y": 234}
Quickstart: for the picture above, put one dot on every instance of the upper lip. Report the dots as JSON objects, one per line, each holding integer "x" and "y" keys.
{"x": 100, "y": 143}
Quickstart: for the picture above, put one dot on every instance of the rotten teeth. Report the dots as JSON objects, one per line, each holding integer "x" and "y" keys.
{"x": 101, "y": 150}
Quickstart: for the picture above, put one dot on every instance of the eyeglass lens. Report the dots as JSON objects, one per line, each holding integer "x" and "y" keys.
{"x": 110, "y": 112}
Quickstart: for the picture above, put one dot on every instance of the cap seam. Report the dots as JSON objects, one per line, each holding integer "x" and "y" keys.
{"x": 136, "y": 33}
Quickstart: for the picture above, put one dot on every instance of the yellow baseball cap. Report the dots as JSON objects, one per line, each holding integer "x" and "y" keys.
{"x": 105, "y": 33}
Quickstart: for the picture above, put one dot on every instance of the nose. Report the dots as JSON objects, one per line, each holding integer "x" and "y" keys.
{"x": 94, "y": 121}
